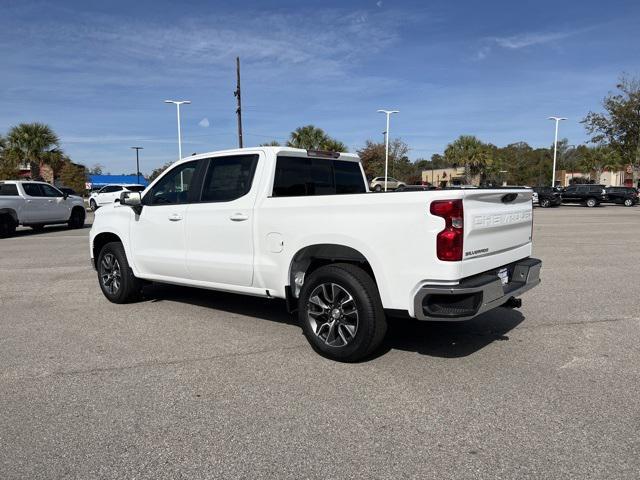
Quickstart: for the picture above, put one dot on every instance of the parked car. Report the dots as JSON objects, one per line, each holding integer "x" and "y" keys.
{"x": 36, "y": 204}
{"x": 588, "y": 195}
{"x": 377, "y": 184}
{"x": 110, "y": 194}
{"x": 279, "y": 222}
{"x": 627, "y": 196}
{"x": 547, "y": 197}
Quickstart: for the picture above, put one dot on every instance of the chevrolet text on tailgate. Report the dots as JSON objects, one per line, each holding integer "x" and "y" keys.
{"x": 302, "y": 226}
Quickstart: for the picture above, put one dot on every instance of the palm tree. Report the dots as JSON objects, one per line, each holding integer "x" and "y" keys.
{"x": 314, "y": 138}
{"x": 467, "y": 150}
{"x": 32, "y": 142}
{"x": 333, "y": 145}
{"x": 272, "y": 143}
{"x": 307, "y": 137}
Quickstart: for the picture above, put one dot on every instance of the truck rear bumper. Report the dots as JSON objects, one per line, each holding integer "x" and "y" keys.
{"x": 476, "y": 294}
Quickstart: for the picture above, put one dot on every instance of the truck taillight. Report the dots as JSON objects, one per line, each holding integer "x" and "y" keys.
{"x": 449, "y": 241}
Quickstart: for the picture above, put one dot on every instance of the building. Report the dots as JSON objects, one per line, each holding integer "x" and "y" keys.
{"x": 610, "y": 178}
{"x": 443, "y": 177}
{"x": 99, "y": 181}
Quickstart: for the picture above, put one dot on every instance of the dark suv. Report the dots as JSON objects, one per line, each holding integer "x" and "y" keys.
{"x": 588, "y": 195}
{"x": 548, "y": 197}
{"x": 627, "y": 196}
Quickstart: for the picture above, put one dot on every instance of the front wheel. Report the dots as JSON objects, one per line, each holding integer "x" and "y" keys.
{"x": 93, "y": 205}
{"x": 7, "y": 226}
{"x": 377, "y": 188}
{"x": 545, "y": 203}
{"x": 591, "y": 202}
{"x": 116, "y": 278}
{"x": 628, "y": 202}
{"x": 341, "y": 313}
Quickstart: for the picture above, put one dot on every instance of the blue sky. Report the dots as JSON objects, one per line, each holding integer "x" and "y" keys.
{"x": 98, "y": 72}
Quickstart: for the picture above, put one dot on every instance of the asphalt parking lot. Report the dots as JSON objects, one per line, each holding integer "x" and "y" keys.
{"x": 196, "y": 384}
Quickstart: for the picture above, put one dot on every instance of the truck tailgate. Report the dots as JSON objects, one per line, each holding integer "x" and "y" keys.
{"x": 497, "y": 228}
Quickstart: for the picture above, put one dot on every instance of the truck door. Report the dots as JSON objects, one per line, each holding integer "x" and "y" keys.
{"x": 157, "y": 235}
{"x": 219, "y": 227}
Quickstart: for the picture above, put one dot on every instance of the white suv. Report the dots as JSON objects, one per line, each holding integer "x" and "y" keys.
{"x": 110, "y": 194}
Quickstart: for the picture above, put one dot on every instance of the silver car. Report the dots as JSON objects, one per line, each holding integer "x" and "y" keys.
{"x": 377, "y": 184}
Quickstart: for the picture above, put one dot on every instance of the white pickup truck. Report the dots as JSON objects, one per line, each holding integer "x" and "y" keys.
{"x": 36, "y": 204}
{"x": 301, "y": 225}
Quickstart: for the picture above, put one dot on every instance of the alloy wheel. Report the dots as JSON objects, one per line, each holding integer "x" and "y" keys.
{"x": 333, "y": 314}
{"x": 110, "y": 273}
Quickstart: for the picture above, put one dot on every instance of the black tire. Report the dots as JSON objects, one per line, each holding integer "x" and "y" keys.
{"x": 93, "y": 205}
{"x": 545, "y": 203}
{"x": 377, "y": 188}
{"x": 115, "y": 277}
{"x": 628, "y": 202}
{"x": 370, "y": 322}
{"x": 38, "y": 227}
{"x": 7, "y": 226}
{"x": 76, "y": 220}
{"x": 591, "y": 202}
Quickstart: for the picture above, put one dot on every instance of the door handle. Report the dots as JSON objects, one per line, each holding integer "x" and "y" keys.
{"x": 174, "y": 217}
{"x": 239, "y": 217}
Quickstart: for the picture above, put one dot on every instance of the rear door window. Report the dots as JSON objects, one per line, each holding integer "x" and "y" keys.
{"x": 301, "y": 176}
{"x": 8, "y": 190}
{"x": 32, "y": 189}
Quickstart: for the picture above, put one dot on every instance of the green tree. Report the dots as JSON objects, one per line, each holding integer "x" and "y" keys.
{"x": 272, "y": 143}
{"x": 619, "y": 125}
{"x": 469, "y": 152}
{"x": 32, "y": 142}
{"x": 310, "y": 137}
{"x": 372, "y": 156}
{"x": 74, "y": 176}
{"x": 157, "y": 171}
{"x": 96, "y": 169}
{"x": 8, "y": 161}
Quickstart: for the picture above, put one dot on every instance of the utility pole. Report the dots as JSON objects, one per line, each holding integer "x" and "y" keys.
{"x": 137, "y": 149}
{"x": 239, "y": 109}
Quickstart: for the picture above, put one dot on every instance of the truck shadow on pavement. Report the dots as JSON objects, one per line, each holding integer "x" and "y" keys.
{"x": 29, "y": 232}
{"x": 435, "y": 339}
{"x": 450, "y": 339}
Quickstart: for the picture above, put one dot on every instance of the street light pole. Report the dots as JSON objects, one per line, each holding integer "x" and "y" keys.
{"x": 386, "y": 146}
{"x": 137, "y": 149}
{"x": 555, "y": 150}
{"x": 177, "y": 103}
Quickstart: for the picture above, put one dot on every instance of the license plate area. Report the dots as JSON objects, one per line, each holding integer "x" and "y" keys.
{"x": 503, "y": 274}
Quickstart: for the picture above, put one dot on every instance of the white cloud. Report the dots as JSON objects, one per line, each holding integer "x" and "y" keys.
{"x": 379, "y": 3}
{"x": 204, "y": 122}
{"x": 523, "y": 40}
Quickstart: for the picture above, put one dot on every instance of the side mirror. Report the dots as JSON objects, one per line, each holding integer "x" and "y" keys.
{"x": 132, "y": 199}
{"x": 65, "y": 195}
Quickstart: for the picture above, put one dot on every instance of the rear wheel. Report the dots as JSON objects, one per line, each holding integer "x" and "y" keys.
{"x": 93, "y": 205}
{"x": 341, "y": 313}
{"x": 591, "y": 202}
{"x": 77, "y": 218}
{"x": 116, "y": 278}
{"x": 628, "y": 202}
{"x": 7, "y": 226}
